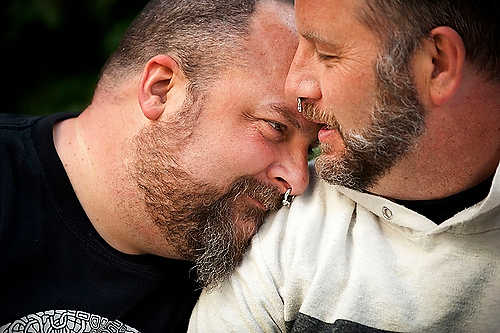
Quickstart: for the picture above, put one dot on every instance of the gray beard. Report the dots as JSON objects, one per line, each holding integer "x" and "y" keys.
{"x": 205, "y": 224}
{"x": 398, "y": 119}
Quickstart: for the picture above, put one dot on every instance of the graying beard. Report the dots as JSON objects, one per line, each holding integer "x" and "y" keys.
{"x": 397, "y": 121}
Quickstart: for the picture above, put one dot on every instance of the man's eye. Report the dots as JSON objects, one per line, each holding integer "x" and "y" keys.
{"x": 277, "y": 126}
{"x": 325, "y": 57}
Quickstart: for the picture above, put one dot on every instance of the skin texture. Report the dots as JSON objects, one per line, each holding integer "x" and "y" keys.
{"x": 136, "y": 146}
{"x": 334, "y": 70}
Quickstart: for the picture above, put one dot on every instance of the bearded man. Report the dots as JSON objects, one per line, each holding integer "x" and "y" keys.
{"x": 188, "y": 143}
{"x": 400, "y": 232}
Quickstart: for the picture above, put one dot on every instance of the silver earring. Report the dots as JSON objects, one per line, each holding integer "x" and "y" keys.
{"x": 287, "y": 199}
{"x": 299, "y": 104}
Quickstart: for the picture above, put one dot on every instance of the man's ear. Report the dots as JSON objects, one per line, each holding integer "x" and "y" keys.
{"x": 447, "y": 53}
{"x": 160, "y": 75}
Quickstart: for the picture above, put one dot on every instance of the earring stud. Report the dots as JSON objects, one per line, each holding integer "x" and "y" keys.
{"x": 287, "y": 199}
{"x": 299, "y": 104}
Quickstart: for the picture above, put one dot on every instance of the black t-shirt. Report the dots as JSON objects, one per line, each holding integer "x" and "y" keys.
{"x": 56, "y": 269}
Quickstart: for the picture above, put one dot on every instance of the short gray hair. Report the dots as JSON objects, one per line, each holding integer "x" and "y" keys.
{"x": 203, "y": 36}
{"x": 408, "y": 22}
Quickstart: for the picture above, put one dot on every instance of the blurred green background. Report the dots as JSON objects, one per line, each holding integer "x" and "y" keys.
{"x": 53, "y": 51}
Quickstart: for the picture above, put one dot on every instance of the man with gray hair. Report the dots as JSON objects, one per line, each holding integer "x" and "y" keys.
{"x": 188, "y": 143}
{"x": 400, "y": 232}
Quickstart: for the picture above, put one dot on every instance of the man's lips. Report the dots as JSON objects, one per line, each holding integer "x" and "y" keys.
{"x": 325, "y": 133}
{"x": 331, "y": 136}
{"x": 330, "y": 132}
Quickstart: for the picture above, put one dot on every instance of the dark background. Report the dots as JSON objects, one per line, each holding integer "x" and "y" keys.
{"x": 53, "y": 51}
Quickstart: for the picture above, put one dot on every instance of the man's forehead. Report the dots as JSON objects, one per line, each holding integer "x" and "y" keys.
{"x": 269, "y": 11}
{"x": 332, "y": 23}
{"x": 313, "y": 21}
{"x": 273, "y": 25}
{"x": 319, "y": 15}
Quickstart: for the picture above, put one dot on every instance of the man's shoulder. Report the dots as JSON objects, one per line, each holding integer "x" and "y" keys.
{"x": 20, "y": 166}
{"x": 283, "y": 255}
{"x": 318, "y": 206}
{"x": 316, "y": 223}
{"x": 11, "y": 123}
{"x": 15, "y": 139}
{"x": 21, "y": 134}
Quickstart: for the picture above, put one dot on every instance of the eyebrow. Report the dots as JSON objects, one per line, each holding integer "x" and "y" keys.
{"x": 286, "y": 113}
{"x": 314, "y": 36}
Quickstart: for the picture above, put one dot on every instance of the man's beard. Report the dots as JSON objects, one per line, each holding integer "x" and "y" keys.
{"x": 397, "y": 121}
{"x": 206, "y": 224}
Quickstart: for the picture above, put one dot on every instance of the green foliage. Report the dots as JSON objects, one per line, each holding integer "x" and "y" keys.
{"x": 54, "y": 50}
{"x": 316, "y": 151}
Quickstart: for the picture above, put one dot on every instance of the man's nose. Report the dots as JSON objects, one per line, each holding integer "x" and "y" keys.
{"x": 290, "y": 173}
{"x": 300, "y": 82}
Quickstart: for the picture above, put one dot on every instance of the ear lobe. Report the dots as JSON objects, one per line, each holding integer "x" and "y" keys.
{"x": 158, "y": 78}
{"x": 448, "y": 64}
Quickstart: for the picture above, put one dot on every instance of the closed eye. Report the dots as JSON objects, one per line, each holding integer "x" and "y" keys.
{"x": 326, "y": 57}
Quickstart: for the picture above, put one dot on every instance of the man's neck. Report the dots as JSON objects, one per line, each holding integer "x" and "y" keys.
{"x": 459, "y": 148}
{"x": 96, "y": 168}
{"x": 442, "y": 209}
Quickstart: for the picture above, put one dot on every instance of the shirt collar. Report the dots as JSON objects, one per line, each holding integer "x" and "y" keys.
{"x": 394, "y": 213}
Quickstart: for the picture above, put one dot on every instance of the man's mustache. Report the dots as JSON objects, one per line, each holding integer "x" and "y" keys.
{"x": 318, "y": 115}
{"x": 267, "y": 195}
